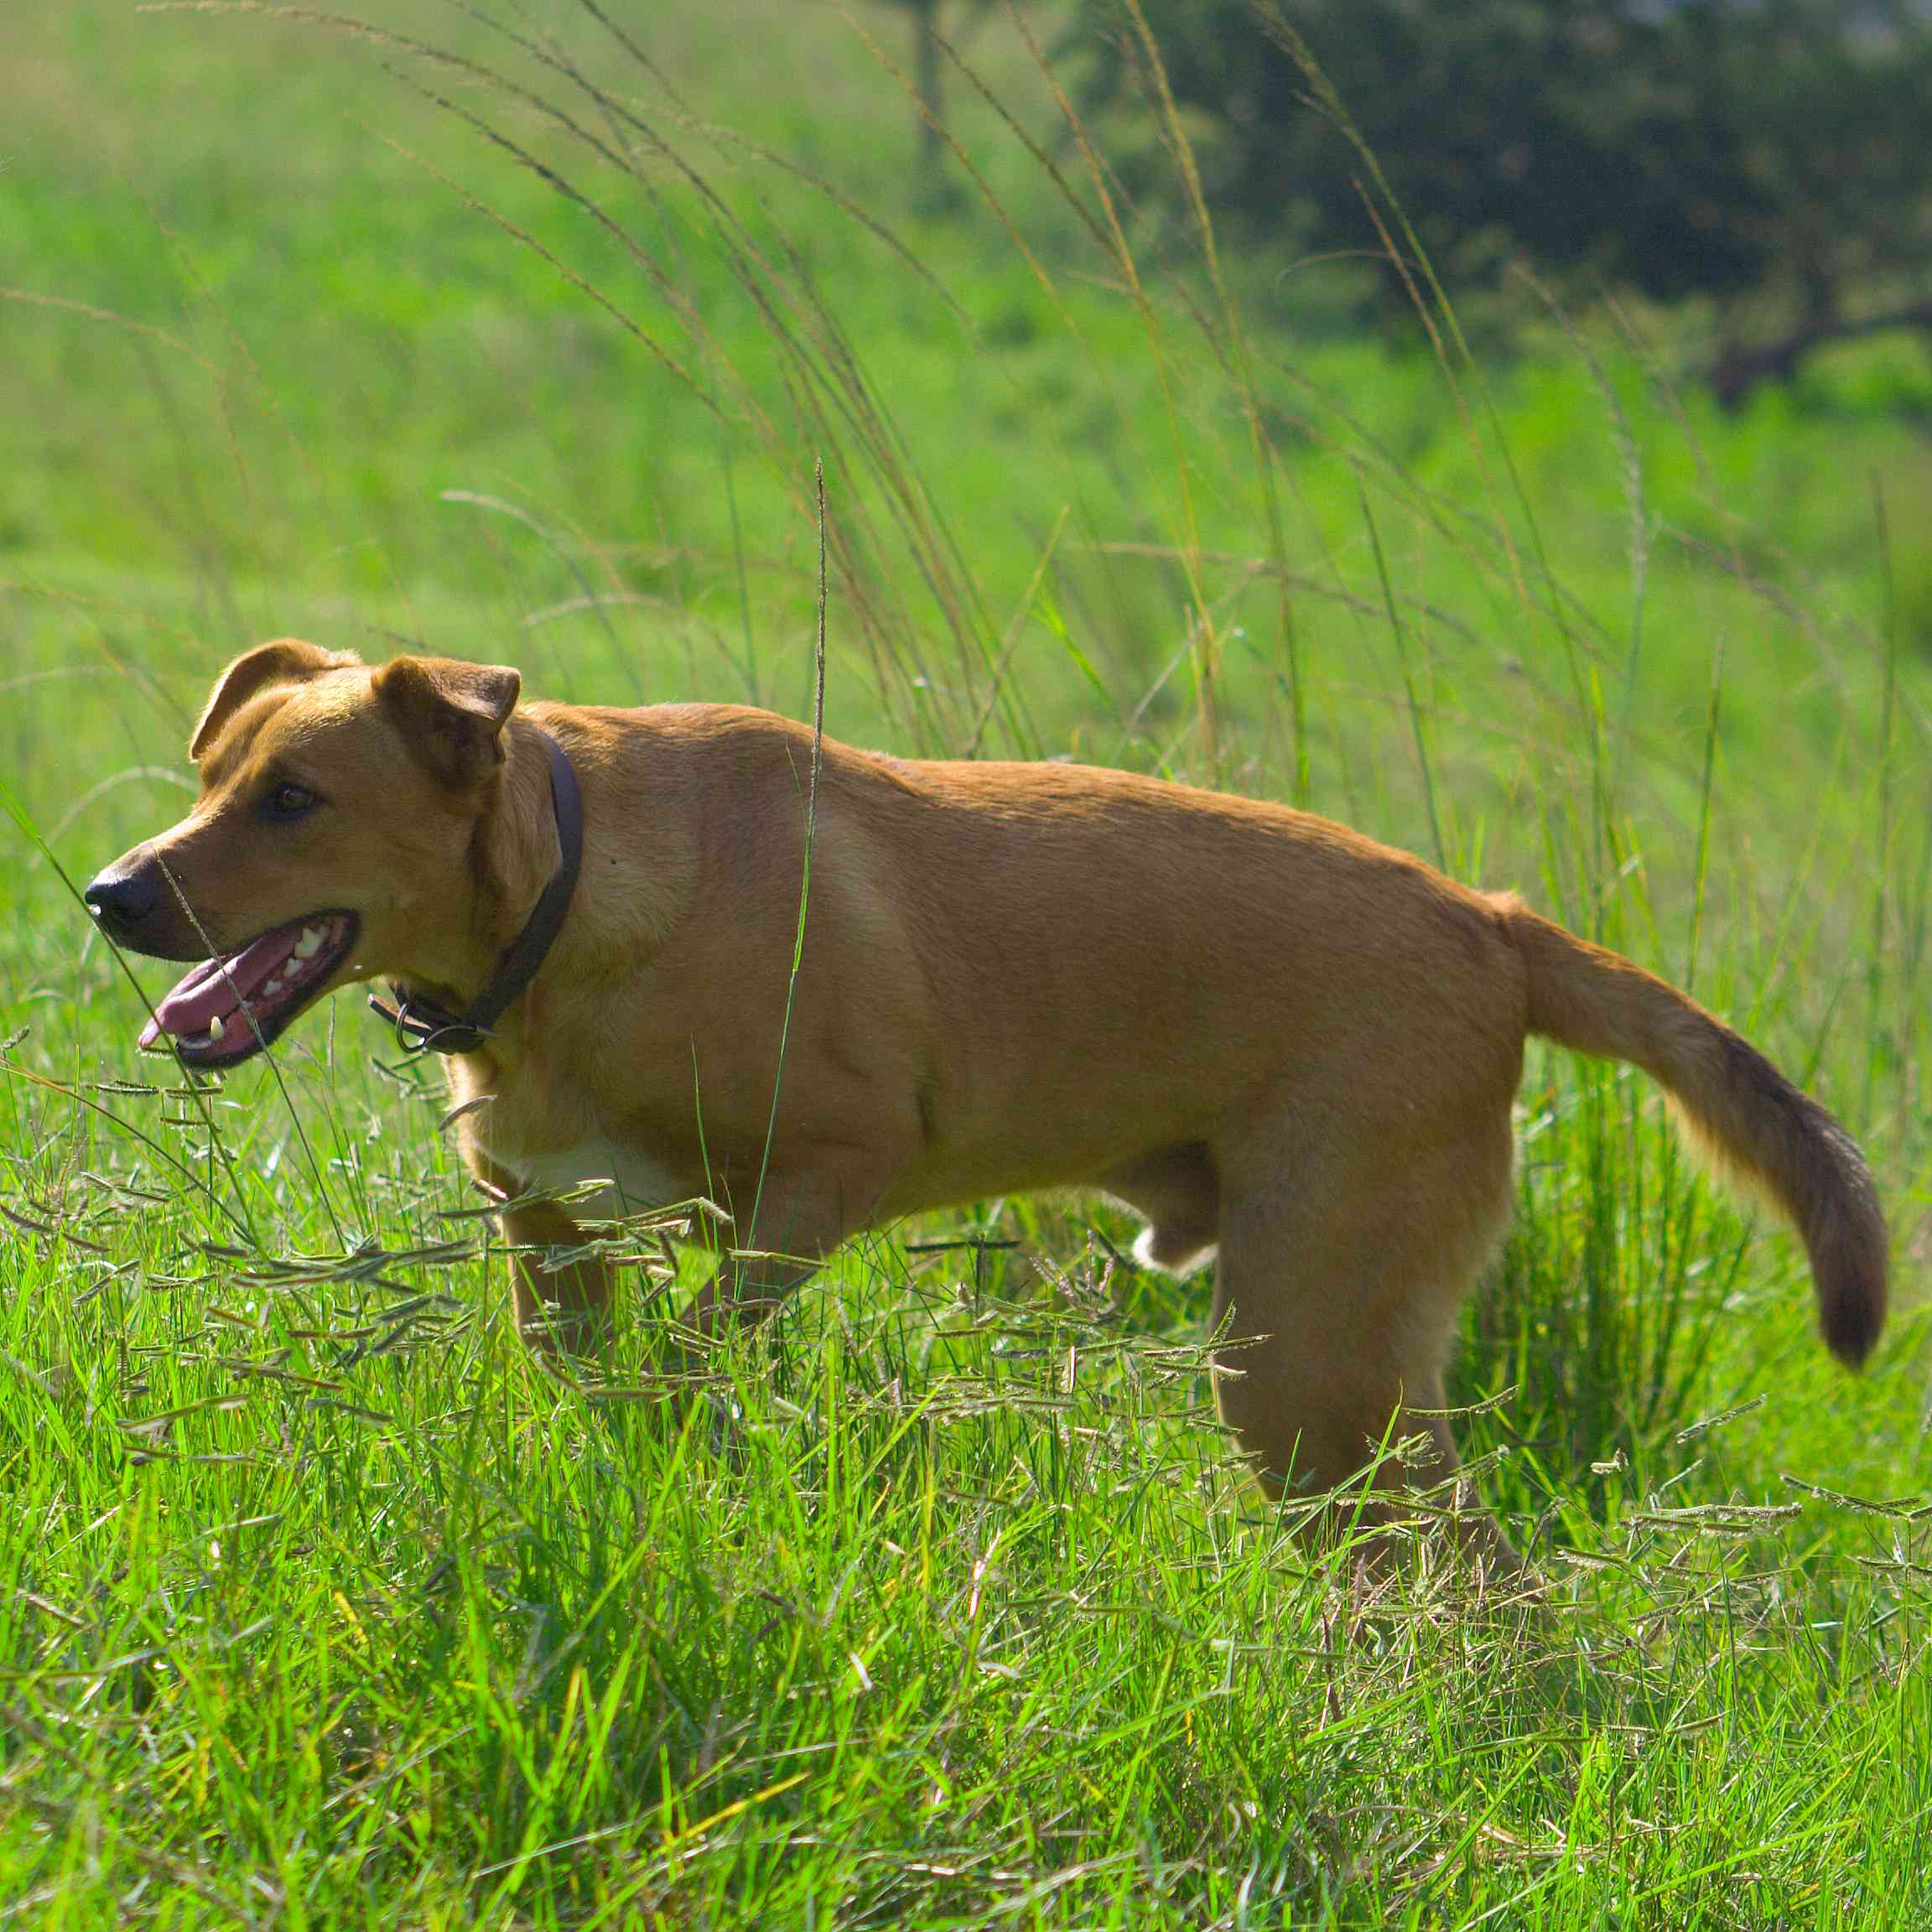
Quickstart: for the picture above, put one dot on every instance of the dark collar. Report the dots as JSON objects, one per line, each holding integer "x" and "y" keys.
{"x": 421, "y": 1025}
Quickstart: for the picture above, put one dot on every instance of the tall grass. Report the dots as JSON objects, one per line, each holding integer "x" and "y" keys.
{"x": 942, "y": 1603}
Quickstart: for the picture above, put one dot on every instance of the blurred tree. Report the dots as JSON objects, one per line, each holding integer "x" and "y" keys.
{"x": 1676, "y": 147}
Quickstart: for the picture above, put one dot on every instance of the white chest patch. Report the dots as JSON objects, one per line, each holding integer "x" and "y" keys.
{"x": 633, "y": 1182}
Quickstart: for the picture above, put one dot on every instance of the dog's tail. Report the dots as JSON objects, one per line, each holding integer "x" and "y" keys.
{"x": 1742, "y": 1112}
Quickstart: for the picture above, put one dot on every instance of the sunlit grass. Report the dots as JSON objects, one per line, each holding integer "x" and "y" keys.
{"x": 939, "y": 1604}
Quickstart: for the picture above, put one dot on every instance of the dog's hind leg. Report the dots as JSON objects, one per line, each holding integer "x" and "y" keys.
{"x": 1178, "y": 1192}
{"x": 1344, "y": 1257}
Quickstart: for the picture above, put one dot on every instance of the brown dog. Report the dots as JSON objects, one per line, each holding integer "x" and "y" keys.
{"x": 1281, "y": 1043}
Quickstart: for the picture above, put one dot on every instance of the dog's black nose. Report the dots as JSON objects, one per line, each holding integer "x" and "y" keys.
{"x": 122, "y": 898}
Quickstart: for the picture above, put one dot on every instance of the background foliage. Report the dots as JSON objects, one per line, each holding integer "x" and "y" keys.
{"x": 1716, "y": 148}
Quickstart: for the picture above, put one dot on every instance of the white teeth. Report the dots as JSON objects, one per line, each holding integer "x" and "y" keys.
{"x": 214, "y": 1028}
{"x": 273, "y": 987}
{"x": 310, "y": 943}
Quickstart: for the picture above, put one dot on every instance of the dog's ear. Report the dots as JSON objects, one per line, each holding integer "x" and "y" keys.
{"x": 452, "y": 714}
{"x": 287, "y": 661}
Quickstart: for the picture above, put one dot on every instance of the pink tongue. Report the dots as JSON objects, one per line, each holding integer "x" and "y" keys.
{"x": 216, "y": 987}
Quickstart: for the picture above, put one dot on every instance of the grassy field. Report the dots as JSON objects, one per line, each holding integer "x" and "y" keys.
{"x": 321, "y": 1606}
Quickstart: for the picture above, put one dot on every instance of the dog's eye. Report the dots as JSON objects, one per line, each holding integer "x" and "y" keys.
{"x": 289, "y": 801}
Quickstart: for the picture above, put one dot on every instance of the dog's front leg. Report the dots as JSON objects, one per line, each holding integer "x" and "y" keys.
{"x": 792, "y": 1222}
{"x": 563, "y": 1305}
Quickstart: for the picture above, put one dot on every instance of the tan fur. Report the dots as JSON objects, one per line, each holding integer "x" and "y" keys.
{"x": 1751, "y": 1122}
{"x": 1274, "y": 1038}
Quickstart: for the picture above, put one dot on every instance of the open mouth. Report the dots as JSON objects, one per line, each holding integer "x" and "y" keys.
{"x": 229, "y": 1009}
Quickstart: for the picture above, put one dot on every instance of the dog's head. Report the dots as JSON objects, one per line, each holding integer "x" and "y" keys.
{"x": 335, "y": 838}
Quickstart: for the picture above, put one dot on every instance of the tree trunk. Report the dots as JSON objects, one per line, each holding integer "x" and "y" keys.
{"x": 1741, "y": 367}
{"x": 932, "y": 182}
